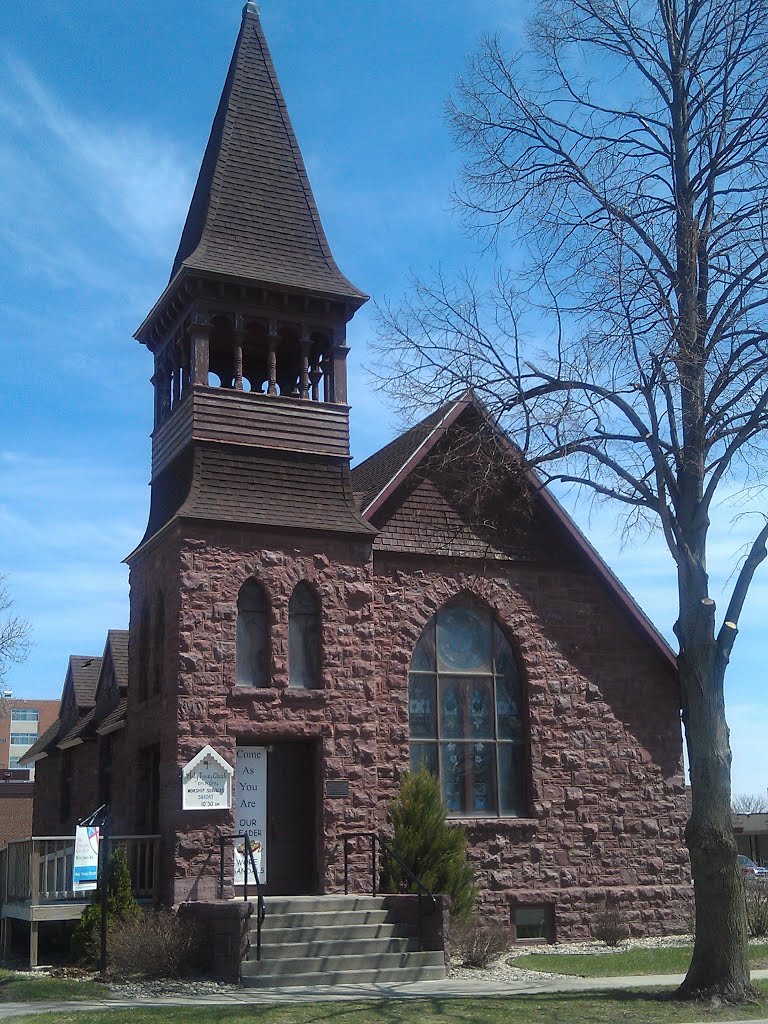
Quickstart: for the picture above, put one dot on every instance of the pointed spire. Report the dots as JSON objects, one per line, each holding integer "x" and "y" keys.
{"x": 253, "y": 216}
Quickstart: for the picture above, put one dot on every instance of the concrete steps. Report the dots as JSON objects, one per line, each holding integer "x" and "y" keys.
{"x": 335, "y": 940}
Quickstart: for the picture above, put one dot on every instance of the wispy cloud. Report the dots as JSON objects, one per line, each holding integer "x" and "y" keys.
{"x": 65, "y": 178}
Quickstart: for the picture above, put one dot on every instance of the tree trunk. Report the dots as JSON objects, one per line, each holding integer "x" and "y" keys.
{"x": 720, "y": 964}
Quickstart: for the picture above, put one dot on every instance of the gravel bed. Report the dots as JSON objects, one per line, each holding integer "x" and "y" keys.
{"x": 504, "y": 968}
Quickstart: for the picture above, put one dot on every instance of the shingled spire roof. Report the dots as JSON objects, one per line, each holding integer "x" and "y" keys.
{"x": 253, "y": 215}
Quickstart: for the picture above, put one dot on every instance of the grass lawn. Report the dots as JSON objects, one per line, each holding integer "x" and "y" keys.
{"x": 667, "y": 960}
{"x": 22, "y": 988}
{"x": 573, "y": 1008}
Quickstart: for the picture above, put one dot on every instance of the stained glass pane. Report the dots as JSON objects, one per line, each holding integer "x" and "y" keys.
{"x": 510, "y": 725}
{"x": 483, "y": 779}
{"x": 422, "y": 713}
{"x": 505, "y": 662}
{"x": 453, "y": 776}
{"x": 424, "y": 754}
{"x": 451, "y": 709}
{"x": 510, "y": 779}
{"x": 480, "y": 706}
{"x": 424, "y": 655}
{"x": 463, "y": 640}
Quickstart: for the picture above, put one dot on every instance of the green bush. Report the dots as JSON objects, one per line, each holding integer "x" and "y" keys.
{"x": 121, "y": 906}
{"x": 433, "y": 850}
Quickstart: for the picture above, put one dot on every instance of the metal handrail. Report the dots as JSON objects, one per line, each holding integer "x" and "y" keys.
{"x": 261, "y": 911}
{"x": 378, "y": 839}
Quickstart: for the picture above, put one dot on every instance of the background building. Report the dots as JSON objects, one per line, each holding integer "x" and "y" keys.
{"x": 21, "y": 723}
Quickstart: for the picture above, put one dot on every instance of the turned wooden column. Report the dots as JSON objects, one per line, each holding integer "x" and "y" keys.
{"x": 304, "y": 374}
{"x": 238, "y": 354}
{"x": 272, "y": 358}
{"x": 200, "y": 347}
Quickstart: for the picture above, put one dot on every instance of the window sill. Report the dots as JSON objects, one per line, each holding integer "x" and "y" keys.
{"x": 300, "y": 696}
{"x": 468, "y": 821}
{"x": 265, "y": 694}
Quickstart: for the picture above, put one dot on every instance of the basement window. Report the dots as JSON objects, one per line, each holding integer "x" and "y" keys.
{"x": 533, "y": 924}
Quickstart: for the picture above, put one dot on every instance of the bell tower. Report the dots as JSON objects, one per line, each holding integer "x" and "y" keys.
{"x": 249, "y": 336}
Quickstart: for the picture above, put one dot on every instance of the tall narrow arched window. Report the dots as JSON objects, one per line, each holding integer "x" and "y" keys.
{"x": 304, "y": 638}
{"x": 158, "y": 646}
{"x": 252, "y": 656}
{"x": 465, "y": 713}
{"x": 143, "y": 659}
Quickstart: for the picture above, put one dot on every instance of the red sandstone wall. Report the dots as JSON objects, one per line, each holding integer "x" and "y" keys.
{"x": 207, "y": 570}
{"x": 607, "y": 797}
{"x": 607, "y": 805}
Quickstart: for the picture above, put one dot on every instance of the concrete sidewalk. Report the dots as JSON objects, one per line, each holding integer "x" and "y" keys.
{"x": 448, "y": 988}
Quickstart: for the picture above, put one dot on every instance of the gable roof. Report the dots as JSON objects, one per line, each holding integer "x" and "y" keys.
{"x": 85, "y": 678}
{"x": 253, "y": 215}
{"x": 117, "y": 644}
{"x": 371, "y": 478}
{"x": 376, "y": 479}
{"x": 40, "y": 747}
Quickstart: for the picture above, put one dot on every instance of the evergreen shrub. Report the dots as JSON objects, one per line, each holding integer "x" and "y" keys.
{"x": 121, "y": 907}
{"x": 433, "y": 850}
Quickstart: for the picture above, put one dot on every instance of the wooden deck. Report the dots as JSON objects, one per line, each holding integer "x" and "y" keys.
{"x": 36, "y": 882}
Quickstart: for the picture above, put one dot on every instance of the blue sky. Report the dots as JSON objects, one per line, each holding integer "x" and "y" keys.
{"x": 104, "y": 114}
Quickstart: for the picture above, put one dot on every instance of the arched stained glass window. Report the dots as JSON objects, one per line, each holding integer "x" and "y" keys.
{"x": 465, "y": 713}
{"x": 304, "y": 638}
{"x": 252, "y": 636}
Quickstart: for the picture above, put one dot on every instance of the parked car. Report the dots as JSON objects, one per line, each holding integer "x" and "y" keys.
{"x": 751, "y": 870}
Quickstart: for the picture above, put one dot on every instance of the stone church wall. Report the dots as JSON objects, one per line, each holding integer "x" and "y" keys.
{"x": 606, "y": 804}
{"x": 207, "y": 568}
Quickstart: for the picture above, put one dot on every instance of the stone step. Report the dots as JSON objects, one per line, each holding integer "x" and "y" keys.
{"x": 319, "y": 967}
{"x": 398, "y": 975}
{"x": 321, "y": 919}
{"x": 327, "y": 933}
{"x": 338, "y": 947}
{"x": 327, "y": 904}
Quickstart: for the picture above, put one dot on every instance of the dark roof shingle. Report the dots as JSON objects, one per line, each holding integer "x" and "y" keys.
{"x": 253, "y": 215}
{"x": 231, "y": 484}
{"x": 42, "y": 743}
{"x": 373, "y": 475}
{"x": 118, "y": 645}
{"x": 85, "y": 678}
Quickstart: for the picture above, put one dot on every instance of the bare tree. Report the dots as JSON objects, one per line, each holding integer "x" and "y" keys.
{"x": 625, "y": 157}
{"x": 14, "y": 639}
{"x": 749, "y": 803}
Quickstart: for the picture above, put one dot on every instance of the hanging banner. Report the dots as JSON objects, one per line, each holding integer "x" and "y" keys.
{"x": 85, "y": 866}
{"x": 251, "y": 811}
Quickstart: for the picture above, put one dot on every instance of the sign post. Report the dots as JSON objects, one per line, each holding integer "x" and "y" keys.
{"x": 92, "y": 841}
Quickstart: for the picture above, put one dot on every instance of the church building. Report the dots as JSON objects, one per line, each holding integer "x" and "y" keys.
{"x": 325, "y": 629}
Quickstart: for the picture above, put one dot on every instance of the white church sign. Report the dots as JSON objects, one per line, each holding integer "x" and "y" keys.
{"x": 206, "y": 782}
{"x": 251, "y": 811}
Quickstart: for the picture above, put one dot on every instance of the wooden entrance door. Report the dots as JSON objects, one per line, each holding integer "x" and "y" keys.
{"x": 291, "y": 820}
